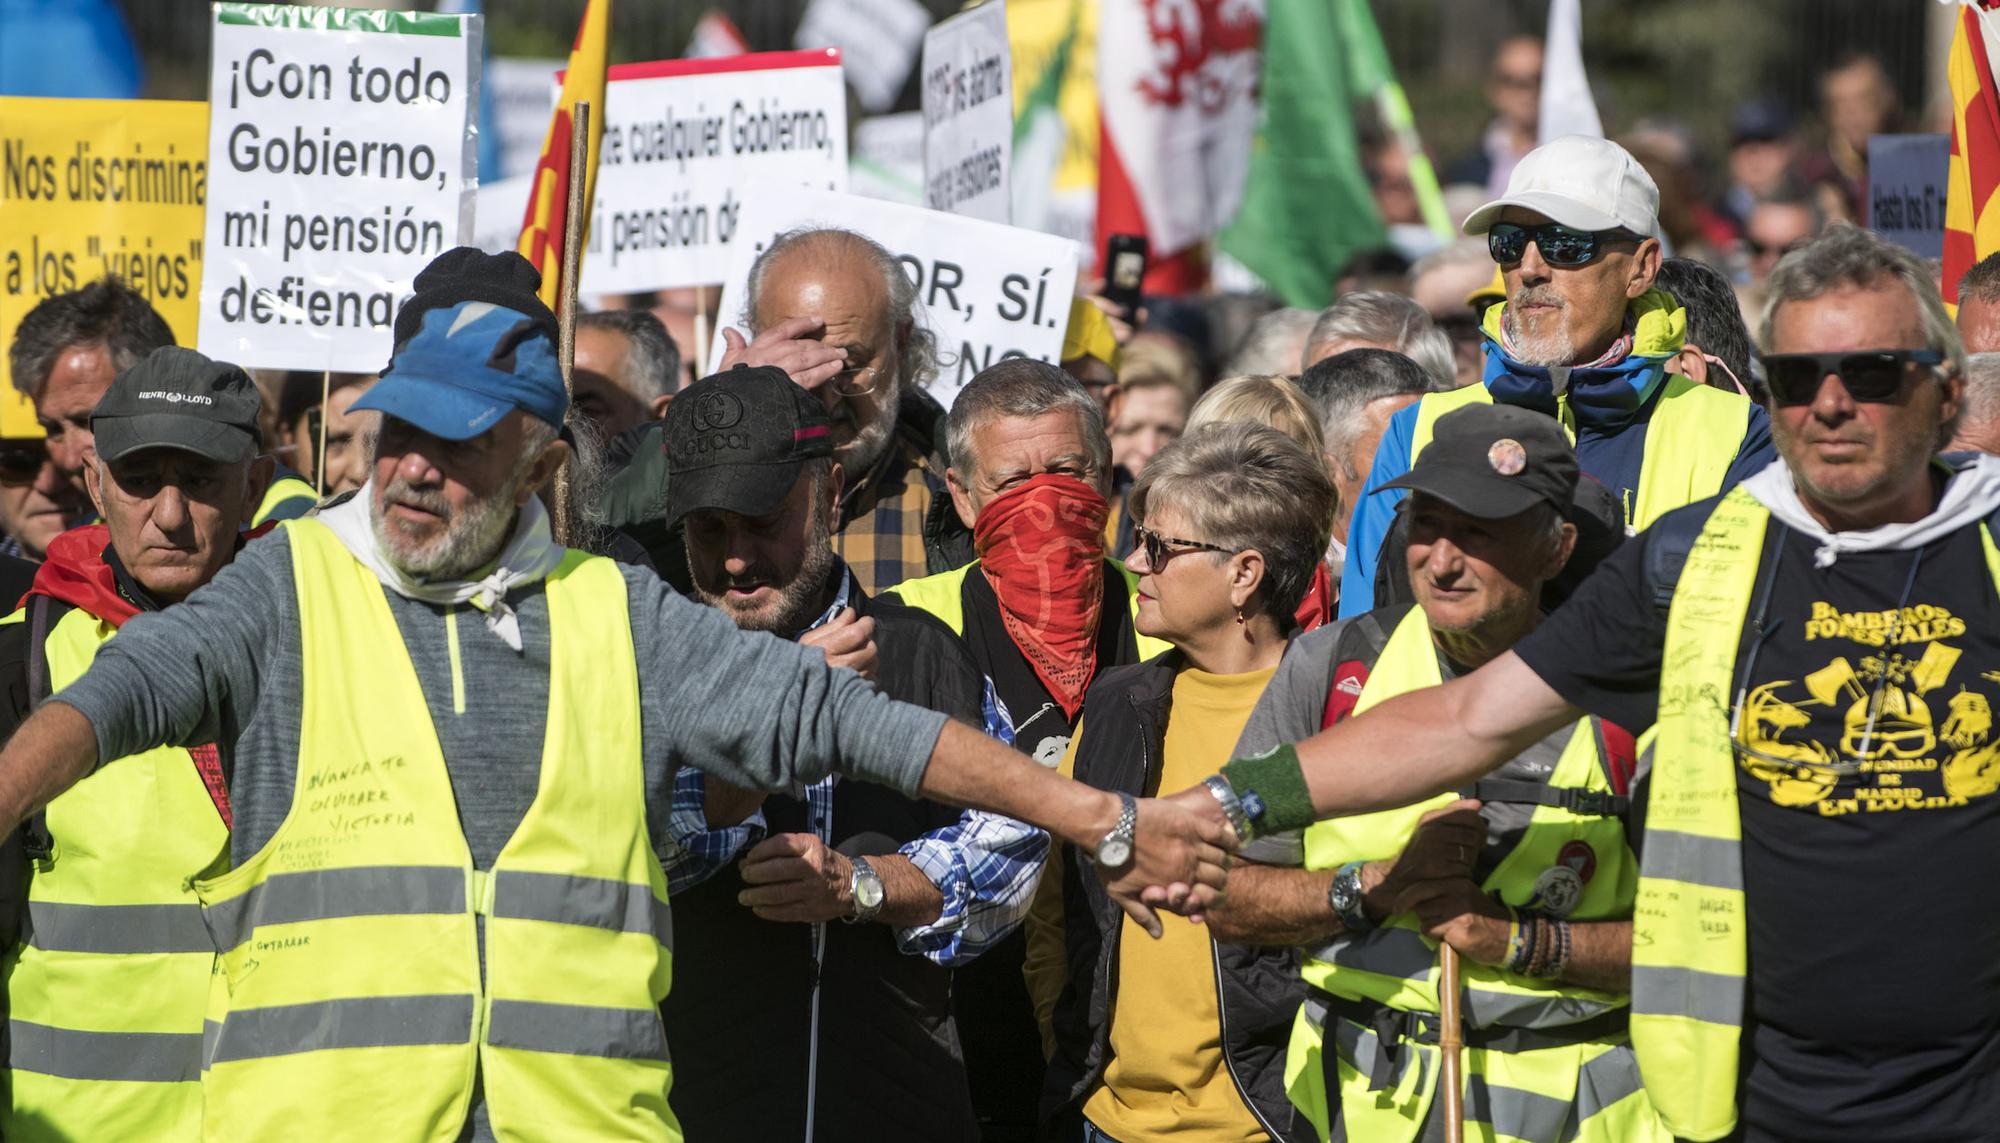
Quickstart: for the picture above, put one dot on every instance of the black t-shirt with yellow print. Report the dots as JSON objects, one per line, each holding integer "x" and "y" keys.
{"x": 1869, "y": 783}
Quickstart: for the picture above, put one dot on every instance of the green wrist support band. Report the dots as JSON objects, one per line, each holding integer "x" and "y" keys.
{"x": 1272, "y": 788}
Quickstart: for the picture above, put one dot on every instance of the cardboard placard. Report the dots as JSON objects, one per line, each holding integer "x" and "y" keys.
{"x": 342, "y": 161}
{"x": 968, "y": 103}
{"x": 683, "y": 142}
{"x": 90, "y": 187}
{"x": 984, "y": 290}
{"x": 1906, "y": 190}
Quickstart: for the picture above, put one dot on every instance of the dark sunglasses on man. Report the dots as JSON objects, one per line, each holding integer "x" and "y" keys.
{"x": 1870, "y": 376}
{"x": 21, "y": 460}
{"x": 1563, "y": 247}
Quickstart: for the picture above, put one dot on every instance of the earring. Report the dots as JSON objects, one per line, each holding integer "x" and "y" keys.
{"x": 1239, "y": 616}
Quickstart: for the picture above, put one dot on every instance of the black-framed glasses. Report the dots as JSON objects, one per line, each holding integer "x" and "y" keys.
{"x": 21, "y": 460}
{"x": 1159, "y": 549}
{"x": 1871, "y": 376}
{"x": 1562, "y": 246}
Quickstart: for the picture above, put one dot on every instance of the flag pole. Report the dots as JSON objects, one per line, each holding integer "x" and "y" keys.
{"x": 572, "y": 261}
{"x": 319, "y": 458}
{"x": 700, "y": 332}
{"x": 1451, "y": 1045}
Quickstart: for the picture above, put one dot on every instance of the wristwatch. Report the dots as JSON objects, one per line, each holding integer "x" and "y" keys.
{"x": 1116, "y": 848}
{"x": 1344, "y": 898}
{"x": 865, "y": 886}
{"x": 1232, "y": 806}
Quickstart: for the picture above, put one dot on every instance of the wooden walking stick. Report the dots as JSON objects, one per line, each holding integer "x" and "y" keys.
{"x": 1451, "y": 1045}
{"x": 572, "y": 263}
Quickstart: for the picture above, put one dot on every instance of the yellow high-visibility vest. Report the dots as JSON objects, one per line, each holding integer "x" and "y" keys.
{"x": 282, "y": 491}
{"x": 943, "y": 596}
{"x": 106, "y": 991}
{"x": 1692, "y": 437}
{"x": 1585, "y": 1090}
{"x": 1690, "y": 948}
{"x": 351, "y": 1000}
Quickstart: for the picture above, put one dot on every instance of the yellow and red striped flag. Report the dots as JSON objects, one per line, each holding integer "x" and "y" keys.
{"x": 548, "y": 201}
{"x": 1971, "y": 215}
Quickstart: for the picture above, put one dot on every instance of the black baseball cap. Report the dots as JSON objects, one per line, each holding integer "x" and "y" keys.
{"x": 736, "y": 440}
{"x": 1495, "y": 461}
{"x": 177, "y": 398}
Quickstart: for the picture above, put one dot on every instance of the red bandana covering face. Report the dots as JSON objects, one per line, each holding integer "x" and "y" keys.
{"x": 1041, "y": 545}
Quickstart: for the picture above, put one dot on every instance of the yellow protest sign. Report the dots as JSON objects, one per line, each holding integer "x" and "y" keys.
{"x": 90, "y": 187}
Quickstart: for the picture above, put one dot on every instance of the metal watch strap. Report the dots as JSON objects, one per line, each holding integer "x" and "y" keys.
{"x": 1232, "y": 806}
{"x": 1127, "y": 829}
{"x": 862, "y": 914}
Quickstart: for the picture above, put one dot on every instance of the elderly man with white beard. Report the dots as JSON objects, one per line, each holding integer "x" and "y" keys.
{"x": 1584, "y": 337}
{"x": 454, "y": 744}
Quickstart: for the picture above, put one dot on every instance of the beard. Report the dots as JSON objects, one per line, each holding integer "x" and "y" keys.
{"x": 1550, "y": 347}
{"x": 472, "y": 535}
{"x": 870, "y": 440}
{"x": 797, "y": 601}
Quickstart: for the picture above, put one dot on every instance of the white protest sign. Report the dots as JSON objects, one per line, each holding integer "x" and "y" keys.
{"x": 341, "y": 162}
{"x": 969, "y": 114}
{"x": 984, "y": 290}
{"x": 887, "y": 161}
{"x": 683, "y": 139}
{"x": 879, "y": 39}
{"x": 1906, "y": 190}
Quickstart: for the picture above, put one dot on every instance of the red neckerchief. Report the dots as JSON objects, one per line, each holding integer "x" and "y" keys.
{"x": 1041, "y": 545}
{"x": 1316, "y": 609}
{"x": 77, "y": 573}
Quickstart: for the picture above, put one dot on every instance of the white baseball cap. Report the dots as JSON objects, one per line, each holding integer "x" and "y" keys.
{"x": 1579, "y": 181}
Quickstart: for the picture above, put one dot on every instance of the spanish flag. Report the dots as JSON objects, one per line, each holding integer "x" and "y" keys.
{"x": 548, "y": 202}
{"x": 1971, "y": 217}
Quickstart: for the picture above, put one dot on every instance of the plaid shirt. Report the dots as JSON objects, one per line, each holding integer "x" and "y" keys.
{"x": 882, "y": 518}
{"x": 984, "y": 865}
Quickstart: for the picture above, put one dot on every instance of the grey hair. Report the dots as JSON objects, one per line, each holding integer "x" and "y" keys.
{"x": 1344, "y": 385}
{"x": 918, "y": 364}
{"x": 1714, "y": 316}
{"x": 653, "y": 363}
{"x": 106, "y": 312}
{"x": 1981, "y": 410}
{"x": 1272, "y": 345}
{"x": 1391, "y": 321}
{"x": 1846, "y": 255}
{"x": 1240, "y": 486}
{"x": 1023, "y": 387}
{"x": 1982, "y": 281}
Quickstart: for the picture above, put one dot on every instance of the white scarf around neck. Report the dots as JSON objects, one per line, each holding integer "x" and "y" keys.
{"x": 529, "y": 554}
{"x": 1971, "y": 494}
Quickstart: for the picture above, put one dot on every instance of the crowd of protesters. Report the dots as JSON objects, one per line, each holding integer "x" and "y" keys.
{"x": 1606, "y": 596}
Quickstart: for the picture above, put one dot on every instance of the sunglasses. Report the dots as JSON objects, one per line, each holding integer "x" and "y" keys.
{"x": 1562, "y": 246}
{"x": 21, "y": 461}
{"x": 1159, "y": 549}
{"x": 1871, "y": 376}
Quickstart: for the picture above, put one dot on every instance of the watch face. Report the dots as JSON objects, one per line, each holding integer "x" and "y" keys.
{"x": 868, "y": 892}
{"x": 1114, "y": 852}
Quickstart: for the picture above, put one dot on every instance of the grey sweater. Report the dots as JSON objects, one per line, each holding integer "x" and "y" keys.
{"x": 752, "y": 709}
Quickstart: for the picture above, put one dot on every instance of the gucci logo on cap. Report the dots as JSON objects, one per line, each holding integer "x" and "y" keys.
{"x": 1507, "y": 456}
{"x": 715, "y": 410}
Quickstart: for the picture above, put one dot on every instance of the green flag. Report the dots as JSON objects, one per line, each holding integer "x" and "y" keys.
{"x": 1307, "y": 207}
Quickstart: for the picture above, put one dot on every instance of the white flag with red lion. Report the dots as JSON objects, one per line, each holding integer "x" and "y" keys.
{"x": 1177, "y": 81}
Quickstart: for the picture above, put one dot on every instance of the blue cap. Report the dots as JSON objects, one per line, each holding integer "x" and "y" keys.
{"x": 469, "y": 365}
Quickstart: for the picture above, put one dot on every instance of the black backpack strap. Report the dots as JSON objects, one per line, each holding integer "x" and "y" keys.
{"x": 42, "y": 615}
{"x": 1668, "y": 543}
{"x": 1581, "y": 802}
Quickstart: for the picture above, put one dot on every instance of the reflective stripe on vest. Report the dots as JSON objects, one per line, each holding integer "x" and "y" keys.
{"x": 1689, "y": 952}
{"x": 1395, "y": 965}
{"x": 349, "y": 953}
{"x": 943, "y": 596}
{"x": 106, "y": 990}
{"x": 1692, "y": 438}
